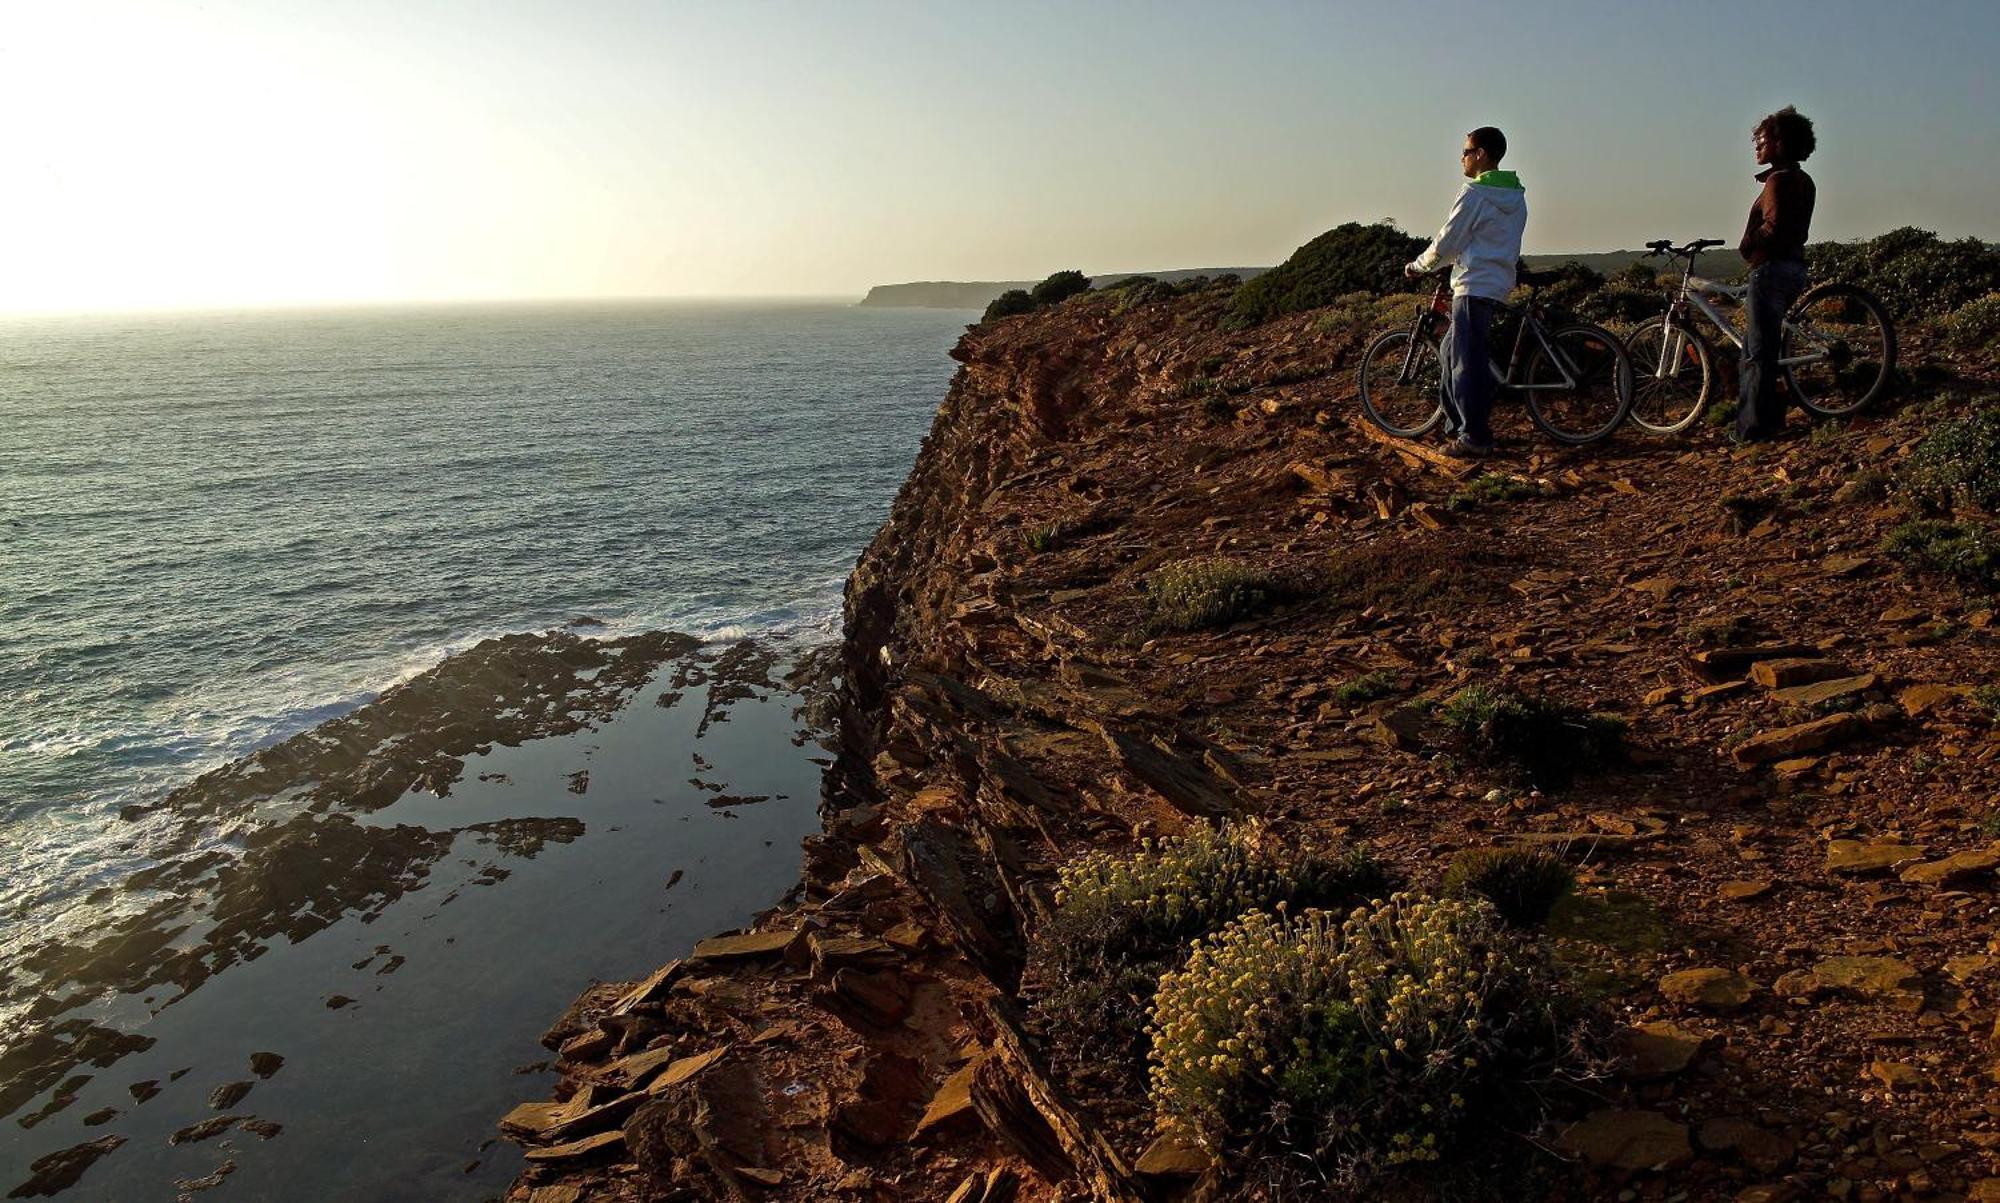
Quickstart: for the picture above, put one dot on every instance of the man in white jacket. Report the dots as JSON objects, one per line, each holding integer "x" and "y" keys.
{"x": 1482, "y": 241}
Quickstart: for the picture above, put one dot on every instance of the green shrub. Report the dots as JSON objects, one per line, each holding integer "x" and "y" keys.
{"x": 1913, "y": 271}
{"x": 1989, "y": 697}
{"x": 1210, "y": 591}
{"x": 1574, "y": 283}
{"x": 1734, "y": 631}
{"x": 1060, "y": 287}
{"x": 1331, "y": 1051}
{"x": 1346, "y": 259}
{"x": 1975, "y": 325}
{"x": 1044, "y": 538}
{"x": 1489, "y": 488}
{"x": 1121, "y": 921}
{"x": 1523, "y": 884}
{"x": 1968, "y": 553}
{"x": 1366, "y": 688}
{"x": 1956, "y": 463}
{"x": 1548, "y": 742}
{"x": 1011, "y": 303}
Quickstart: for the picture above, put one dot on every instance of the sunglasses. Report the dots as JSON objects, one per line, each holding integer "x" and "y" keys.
{"x": 1468, "y": 152}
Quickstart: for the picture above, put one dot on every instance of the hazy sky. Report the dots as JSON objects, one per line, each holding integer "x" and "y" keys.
{"x": 229, "y": 152}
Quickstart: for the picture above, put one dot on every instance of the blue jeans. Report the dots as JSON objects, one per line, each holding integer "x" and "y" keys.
{"x": 1763, "y": 390}
{"x": 1468, "y": 382}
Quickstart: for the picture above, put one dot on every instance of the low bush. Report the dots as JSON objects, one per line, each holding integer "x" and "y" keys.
{"x": 1988, "y": 696}
{"x": 1523, "y": 884}
{"x": 1366, "y": 688}
{"x": 1961, "y": 550}
{"x": 1975, "y": 325}
{"x": 1913, "y": 271}
{"x": 1060, "y": 287}
{"x": 1489, "y": 488}
{"x": 1013, "y": 302}
{"x": 1121, "y": 921}
{"x": 1209, "y": 591}
{"x": 1327, "y": 1050}
{"x": 1548, "y": 742}
{"x": 1958, "y": 462}
{"x": 1347, "y": 259}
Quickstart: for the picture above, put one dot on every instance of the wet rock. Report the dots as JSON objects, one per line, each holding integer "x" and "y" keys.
{"x": 100, "y": 1117}
{"x": 262, "y": 1129}
{"x": 1708, "y": 988}
{"x": 1787, "y": 742}
{"x": 1628, "y": 1140}
{"x": 265, "y": 1064}
{"x": 213, "y": 1126}
{"x": 1856, "y": 858}
{"x": 228, "y": 1095}
{"x": 141, "y": 1091}
{"x": 57, "y": 1172}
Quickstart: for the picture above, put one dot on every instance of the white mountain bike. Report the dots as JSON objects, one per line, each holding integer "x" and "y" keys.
{"x": 1838, "y": 349}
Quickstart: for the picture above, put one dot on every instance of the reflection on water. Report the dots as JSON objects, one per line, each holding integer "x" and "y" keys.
{"x": 406, "y": 1032}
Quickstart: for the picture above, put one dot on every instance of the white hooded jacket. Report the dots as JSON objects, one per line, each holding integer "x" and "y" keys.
{"x": 1482, "y": 237}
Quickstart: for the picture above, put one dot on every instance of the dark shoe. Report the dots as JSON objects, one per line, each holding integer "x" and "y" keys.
{"x": 1464, "y": 448}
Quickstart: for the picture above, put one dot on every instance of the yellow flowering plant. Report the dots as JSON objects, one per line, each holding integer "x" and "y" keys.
{"x": 1352, "y": 1045}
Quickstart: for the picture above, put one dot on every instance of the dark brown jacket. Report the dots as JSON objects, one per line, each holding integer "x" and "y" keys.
{"x": 1780, "y": 218}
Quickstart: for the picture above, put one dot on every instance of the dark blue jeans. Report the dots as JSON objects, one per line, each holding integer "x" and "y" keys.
{"x": 1468, "y": 382}
{"x": 1763, "y": 389}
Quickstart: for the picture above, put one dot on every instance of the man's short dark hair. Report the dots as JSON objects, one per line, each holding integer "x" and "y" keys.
{"x": 1494, "y": 143}
{"x": 1791, "y": 132}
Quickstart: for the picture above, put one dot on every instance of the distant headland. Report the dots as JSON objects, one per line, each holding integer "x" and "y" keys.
{"x": 977, "y": 294}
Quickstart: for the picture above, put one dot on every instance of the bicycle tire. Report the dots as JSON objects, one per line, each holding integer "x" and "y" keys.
{"x": 1393, "y": 404}
{"x": 1862, "y": 349}
{"x": 1656, "y": 407}
{"x": 1598, "y": 405}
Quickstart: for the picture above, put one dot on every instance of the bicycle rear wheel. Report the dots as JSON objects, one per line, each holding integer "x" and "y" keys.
{"x": 1852, "y": 343}
{"x": 1402, "y": 384}
{"x": 1590, "y": 390}
{"x": 1672, "y": 376}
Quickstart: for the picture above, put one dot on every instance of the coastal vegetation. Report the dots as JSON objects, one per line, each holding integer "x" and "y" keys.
{"x": 1347, "y": 259}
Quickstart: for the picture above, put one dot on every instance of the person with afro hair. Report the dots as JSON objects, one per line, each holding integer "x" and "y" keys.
{"x": 1774, "y": 244}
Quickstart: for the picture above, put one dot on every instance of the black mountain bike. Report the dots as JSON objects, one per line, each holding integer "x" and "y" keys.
{"x": 1573, "y": 376}
{"x": 1838, "y": 350}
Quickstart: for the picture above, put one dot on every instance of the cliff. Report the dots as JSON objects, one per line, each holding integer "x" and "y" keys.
{"x": 1792, "y": 948}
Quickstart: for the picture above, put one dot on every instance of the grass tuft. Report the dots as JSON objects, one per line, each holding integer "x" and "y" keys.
{"x": 1548, "y": 742}
{"x": 1523, "y": 884}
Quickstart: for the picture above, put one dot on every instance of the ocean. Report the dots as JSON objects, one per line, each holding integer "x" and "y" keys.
{"x": 217, "y": 530}
{"x": 220, "y": 531}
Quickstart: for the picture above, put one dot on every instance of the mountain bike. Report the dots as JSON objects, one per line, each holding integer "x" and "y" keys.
{"x": 1838, "y": 348}
{"x": 1574, "y": 377}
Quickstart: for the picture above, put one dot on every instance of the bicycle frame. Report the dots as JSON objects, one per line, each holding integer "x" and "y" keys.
{"x": 1694, "y": 292}
{"x": 1426, "y": 326}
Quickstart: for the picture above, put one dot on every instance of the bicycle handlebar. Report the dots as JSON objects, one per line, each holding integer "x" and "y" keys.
{"x": 1665, "y": 246}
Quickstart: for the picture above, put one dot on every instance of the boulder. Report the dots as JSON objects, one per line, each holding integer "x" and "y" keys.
{"x": 746, "y": 947}
{"x": 1791, "y": 671}
{"x": 1711, "y": 989}
{"x": 1628, "y": 1140}
{"x": 1788, "y": 742}
{"x": 1959, "y": 869}
{"x": 1820, "y": 693}
{"x": 1858, "y": 858}
{"x": 1657, "y": 1050}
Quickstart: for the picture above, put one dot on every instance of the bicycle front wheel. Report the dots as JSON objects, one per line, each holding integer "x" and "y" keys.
{"x": 1582, "y": 392}
{"x": 1672, "y": 374}
{"x": 1839, "y": 349}
{"x": 1402, "y": 384}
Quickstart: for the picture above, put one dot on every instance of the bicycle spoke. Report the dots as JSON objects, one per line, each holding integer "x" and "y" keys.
{"x": 1400, "y": 384}
{"x": 1598, "y": 393}
{"x": 1844, "y": 348}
